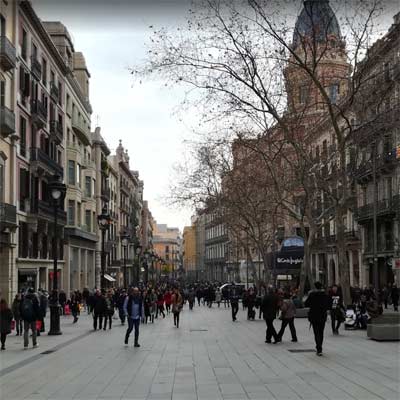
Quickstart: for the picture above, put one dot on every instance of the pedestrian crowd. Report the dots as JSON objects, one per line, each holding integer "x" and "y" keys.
{"x": 146, "y": 303}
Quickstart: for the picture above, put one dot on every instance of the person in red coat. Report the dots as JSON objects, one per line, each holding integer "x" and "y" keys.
{"x": 168, "y": 301}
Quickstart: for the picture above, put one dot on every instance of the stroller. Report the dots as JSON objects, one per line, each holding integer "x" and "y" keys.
{"x": 355, "y": 318}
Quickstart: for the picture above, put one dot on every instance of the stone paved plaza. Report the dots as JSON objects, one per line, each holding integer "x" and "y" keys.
{"x": 208, "y": 358}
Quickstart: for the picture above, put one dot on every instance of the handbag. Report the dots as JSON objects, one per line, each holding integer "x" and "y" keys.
{"x": 13, "y": 324}
{"x": 38, "y": 325}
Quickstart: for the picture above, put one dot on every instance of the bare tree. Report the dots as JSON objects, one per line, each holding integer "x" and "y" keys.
{"x": 253, "y": 73}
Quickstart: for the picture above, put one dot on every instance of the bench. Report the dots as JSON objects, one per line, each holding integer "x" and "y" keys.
{"x": 385, "y": 327}
{"x": 302, "y": 312}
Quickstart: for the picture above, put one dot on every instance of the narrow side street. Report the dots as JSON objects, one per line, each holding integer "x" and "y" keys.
{"x": 208, "y": 358}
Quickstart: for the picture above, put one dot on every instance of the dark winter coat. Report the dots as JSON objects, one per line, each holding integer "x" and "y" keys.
{"x": 15, "y": 308}
{"x": 99, "y": 305}
{"x": 5, "y": 320}
{"x": 319, "y": 303}
{"x": 270, "y": 306}
{"x": 36, "y": 308}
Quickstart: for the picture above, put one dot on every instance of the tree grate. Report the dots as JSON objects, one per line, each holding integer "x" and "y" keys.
{"x": 199, "y": 330}
{"x": 301, "y": 351}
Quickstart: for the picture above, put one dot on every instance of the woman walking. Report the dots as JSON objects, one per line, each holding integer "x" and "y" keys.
{"x": 177, "y": 304}
{"x": 288, "y": 310}
{"x": 15, "y": 308}
{"x": 5, "y": 322}
{"x": 109, "y": 312}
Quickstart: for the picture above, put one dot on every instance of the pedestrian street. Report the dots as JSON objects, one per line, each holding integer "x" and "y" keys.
{"x": 208, "y": 358}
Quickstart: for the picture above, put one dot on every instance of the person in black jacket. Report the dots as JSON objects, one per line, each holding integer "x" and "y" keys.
{"x": 234, "y": 298}
{"x": 394, "y": 294}
{"x": 109, "y": 311}
{"x": 99, "y": 309}
{"x": 270, "y": 306}
{"x": 319, "y": 303}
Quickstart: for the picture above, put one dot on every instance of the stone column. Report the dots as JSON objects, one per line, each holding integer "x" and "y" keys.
{"x": 84, "y": 282}
{"x": 351, "y": 271}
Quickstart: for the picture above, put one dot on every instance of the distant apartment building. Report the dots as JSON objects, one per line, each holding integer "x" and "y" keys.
{"x": 189, "y": 252}
{"x": 167, "y": 244}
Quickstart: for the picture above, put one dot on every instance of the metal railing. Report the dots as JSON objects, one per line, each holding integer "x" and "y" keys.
{"x": 8, "y": 54}
{"x": 39, "y": 111}
{"x": 38, "y": 155}
{"x": 36, "y": 68}
{"x": 54, "y": 91}
{"x": 8, "y": 214}
{"x": 7, "y": 121}
{"x": 56, "y": 129}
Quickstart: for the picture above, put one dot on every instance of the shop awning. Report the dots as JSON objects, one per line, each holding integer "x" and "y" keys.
{"x": 109, "y": 278}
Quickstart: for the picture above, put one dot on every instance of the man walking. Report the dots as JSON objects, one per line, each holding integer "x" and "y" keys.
{"x": 99, "y": 309}
{"x": 30, "y": 313}
{"x": 270, "y": 306}
{"x": 133, "y": 306}
{"x": 234, "y": 297}
{"x": 319, "y": 303}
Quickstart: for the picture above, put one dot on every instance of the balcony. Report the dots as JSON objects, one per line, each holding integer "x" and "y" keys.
{"x": 39, "y": 113}
{"x": 8, "y": 55}
{"x": 42, "y": 163}
{"x": 54, "y": 92}
{"x": 46, "y": 211}
{"x": 56, "y": 131}
{"x": 87, "y": 164}
{"x": 7, "y": 121}
{"x": 36, "y": 68}
{"x": 81, "y": 130}
{"x": 385, "y": 163}
{"x": 384, "y": 209}
{"x": 8, "y": 216}
{"x": 125, "y": 188}
{"x": 105, "y": 193}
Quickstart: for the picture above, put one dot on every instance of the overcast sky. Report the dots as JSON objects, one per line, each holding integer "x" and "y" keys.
{"x": 113, "y": 34}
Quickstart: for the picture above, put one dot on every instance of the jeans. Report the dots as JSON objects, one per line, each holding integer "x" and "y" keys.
{"x": 285, "y": 323}
{"x": 132, "y": 323}
{"x": 271, "y": 332}
{"x": 32, "y": 326}
{"x": 95, "y": 318}
{"x": 235, "y": 309}
{"x": 318, "y": 328}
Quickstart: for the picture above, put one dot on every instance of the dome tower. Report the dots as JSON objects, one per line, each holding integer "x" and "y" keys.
{"x": 318, "y": 43}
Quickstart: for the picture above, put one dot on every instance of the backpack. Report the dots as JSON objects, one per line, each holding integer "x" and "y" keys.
{"x": 27, "y": 310}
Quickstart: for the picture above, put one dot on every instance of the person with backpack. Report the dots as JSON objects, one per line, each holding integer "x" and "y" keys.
{"x": 133, "y": 307}
{"x": 5, "y": 322}
{"x": 319, "y": 303}
{"x": 30, "y": 313}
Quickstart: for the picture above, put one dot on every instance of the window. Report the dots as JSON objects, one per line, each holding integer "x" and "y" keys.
{"x": 68, "y": 106}
{"x": 24, "y": 82}
{"x": 79, "y": 214}
{"x": 88, "y": 186}
{"x": 303, "y": 94}
{"x": 71, "y": 212}
{"x": 59, "y": 93}
{"x": 334, "y": 93}
{"x": 23, "y": 188}
{"x": 22, "y": 137}
{"x": 78, "y": 175}
{"x": 44, "y": 72}
{"x": 94, "y": 219}
{"x": 34, "y": 52}
{"x": 24, "y": 45}
{"x": 71, "y": 172}
{"x": 2, "y": 93}
{"x": 88, "y": 220}
{"x": 2, "y": 170}
{"x": 2, "y": 26}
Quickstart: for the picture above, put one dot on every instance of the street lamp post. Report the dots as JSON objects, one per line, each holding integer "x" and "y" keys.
{"x": 57, "y": 192}
{"x": 138, "y": 251}
{"x": 104, "y": 223}
{"x": 125, "y": 243}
